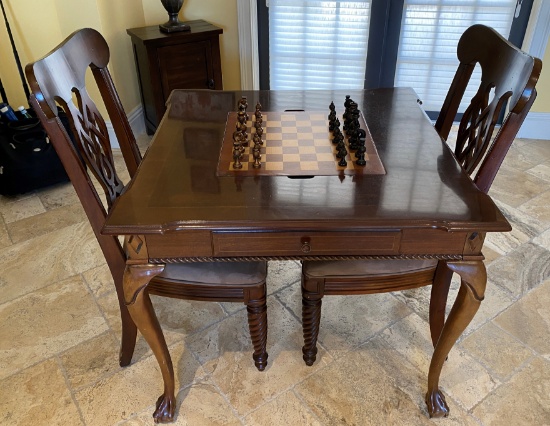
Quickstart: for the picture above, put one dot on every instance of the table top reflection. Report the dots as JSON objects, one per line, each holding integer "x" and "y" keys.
{"x": 177, "y": 187}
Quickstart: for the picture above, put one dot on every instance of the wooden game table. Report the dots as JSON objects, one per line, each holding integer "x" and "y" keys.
{"x": 178, "y": 208}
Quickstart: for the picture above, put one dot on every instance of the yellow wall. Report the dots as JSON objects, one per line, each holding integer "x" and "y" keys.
{"x": 56, "y": 19}
{"x": 51, "y": 21}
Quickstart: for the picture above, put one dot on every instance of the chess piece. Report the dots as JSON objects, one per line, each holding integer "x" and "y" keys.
{"x": 343, "y": 162}
{"x": 242, "y": 106}
{"x": 257, "y": 157}
{"x": 361, "y": 160}
{"x": 237, "y": 156}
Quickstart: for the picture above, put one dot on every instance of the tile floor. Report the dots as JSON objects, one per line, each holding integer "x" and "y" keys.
{"x": 59, "y": 333}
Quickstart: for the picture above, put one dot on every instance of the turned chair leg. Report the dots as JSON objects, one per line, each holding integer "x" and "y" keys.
{"x": 311, "y": 318}
{"x": 257, "y": 324}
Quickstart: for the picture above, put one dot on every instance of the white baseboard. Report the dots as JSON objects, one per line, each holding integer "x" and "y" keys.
{"x": 137, "y": 123}
{"x": 535, "y": 126}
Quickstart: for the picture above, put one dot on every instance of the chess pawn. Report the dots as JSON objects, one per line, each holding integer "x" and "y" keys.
{"x": 243, "y": 105}
{"x": 361, "y": 160}
{"x": 237, "y": 156}
{"x": 257, "y": 157}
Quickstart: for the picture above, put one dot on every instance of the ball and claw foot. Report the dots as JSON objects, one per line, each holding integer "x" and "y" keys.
{"x": 309, "y": 355}
{"x": 166, "y": 408}
{"x": 437, "y": 406}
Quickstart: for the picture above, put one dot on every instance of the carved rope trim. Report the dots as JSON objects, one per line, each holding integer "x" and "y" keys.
{"x": 265, "y": 258}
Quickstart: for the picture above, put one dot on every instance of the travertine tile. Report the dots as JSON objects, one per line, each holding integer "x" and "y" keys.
{"x": 521, "y": 222}
{"x": 538, "y": 207}
{"x": 99, "y": 280}
{"x": 524, "y": 400}
{"x": 348, "y": 321}
{"x": 496, "y": 300}
{"x": 286, "y": 409}
{"x": 134, "y": 388}
{"x": 518, "y": 158}
{"x": 44, "y": 223}
{"x": 60, "y": 195}
{"x": 45, "y": 322}
{"x": 226, "y": 353}
{"x": 20, "y": 209}
{"x": 5, "y": 240}
{"x": 497, "y": 350}
{"x": 198, "y": 404}
{"x": 43, "y": 260}
{"x": 529, "y": 319}
{"x": 514, "y": 187}
{"x": 542, "y": 171}
{"x": 176, "y": 317}
{"x": 386, "y": 389}
{"x": 91, "y": 360}
{"x": 521, "y": 270}
{"x": 462, "y": 378}
{"x": 37, "y": 396}
{"x": 536, "y": 151}
{"x": 543, "y": 240}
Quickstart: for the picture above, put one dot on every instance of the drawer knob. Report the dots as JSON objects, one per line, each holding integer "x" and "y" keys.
{"x": 211, "y": 84}
{"x": 306, "y": 248}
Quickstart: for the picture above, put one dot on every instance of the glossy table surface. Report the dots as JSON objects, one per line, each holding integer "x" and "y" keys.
{"x": 176, "y": 187}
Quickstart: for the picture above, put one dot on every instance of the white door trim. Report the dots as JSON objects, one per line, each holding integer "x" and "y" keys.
{"x": 247, "y": 18}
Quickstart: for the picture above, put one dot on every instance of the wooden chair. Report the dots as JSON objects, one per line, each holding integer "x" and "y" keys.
{"x": 508, "y": 78}
{"x": 55, "y": 80}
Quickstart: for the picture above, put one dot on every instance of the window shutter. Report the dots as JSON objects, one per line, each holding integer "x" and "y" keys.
{"x": 429, "y": 36}
{"x": 318, "y": 44}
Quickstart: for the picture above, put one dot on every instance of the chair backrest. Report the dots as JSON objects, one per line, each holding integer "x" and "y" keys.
{"x": 58, "y": 79}
{"x": 508, "y": 79}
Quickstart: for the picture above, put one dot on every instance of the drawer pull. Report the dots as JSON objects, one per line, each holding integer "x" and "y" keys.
{"x": 306, "y": 248}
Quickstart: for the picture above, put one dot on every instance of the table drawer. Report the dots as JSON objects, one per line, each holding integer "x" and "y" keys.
{"x": 227, "y": 244}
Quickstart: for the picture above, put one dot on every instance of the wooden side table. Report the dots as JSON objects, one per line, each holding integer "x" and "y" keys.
{"x": 181, "y": 60}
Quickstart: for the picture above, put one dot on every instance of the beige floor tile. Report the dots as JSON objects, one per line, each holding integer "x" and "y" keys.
{"x": 286, "y": 409}
{"x": 199, "y": 404}
{"x": 496, "y": 301}
{"x": 501, "y": 353}
{"x": 61, "y": 195}
{"x": 348, "y": 321}
{"x": 5, "y": 240}
{"x": 92, "y": 360}
{"x": 49, "y": 258}
{"x": 515, "y": 187}
{"x": 20, "y": 209}
{"x": 538, "y": 207}
{"x": 524, "y": 400}
{"x": 226, "y": 353}
{"x": 99, "y": 280}
{"x": 45, "y": 322}
{"x": 134, "y": 389}
{"x": 518, "y": 159}
{"x": 542, "y": 171}
{"x": 37, "y": 396}
{"x": 536, "y": 151}
{"x": 521, "y": 270}
{"x": 521, "y": 221}
{"x": 386, "y": 390}
{"x": 177, "y": 318}
{"x": 44, "y": 223}
{"x": 543, "y": 240}
{"x": 462, "y": 377}
{"x": 529, "y": 319}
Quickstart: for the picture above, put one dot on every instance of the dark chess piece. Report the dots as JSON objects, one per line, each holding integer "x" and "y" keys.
{"x": 257, "y": 157}
{"x": 334, "y": 124}
{"x": 258, "y": 113}
{"x": 361, "y": 160}
{"x": 360, "y": 151}
{"x": 242, "y": 106}
{"x": 343, "y": 162}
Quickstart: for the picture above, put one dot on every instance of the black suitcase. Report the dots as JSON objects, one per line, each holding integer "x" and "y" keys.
{"x": 28, "y": 160}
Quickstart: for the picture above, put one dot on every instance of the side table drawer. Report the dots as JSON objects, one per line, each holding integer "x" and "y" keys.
{"x": 228, "y": 244}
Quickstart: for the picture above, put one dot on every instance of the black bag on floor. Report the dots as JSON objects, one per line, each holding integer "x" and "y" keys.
{"x": 28, "y": 160}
